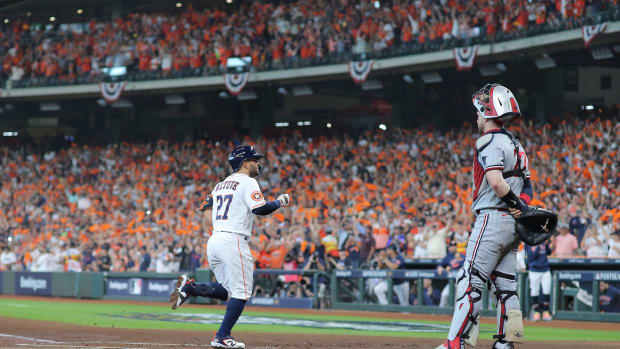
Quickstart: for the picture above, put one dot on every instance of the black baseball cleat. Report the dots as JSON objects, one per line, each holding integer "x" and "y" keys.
{"x": 181, "y": 291}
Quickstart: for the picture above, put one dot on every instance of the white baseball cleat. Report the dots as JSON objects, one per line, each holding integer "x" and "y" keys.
{"x": 226, "y": 343}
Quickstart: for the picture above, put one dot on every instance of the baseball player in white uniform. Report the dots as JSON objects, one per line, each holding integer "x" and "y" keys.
{"x": 500, "y": 170}
{"x": 232, "y": 206}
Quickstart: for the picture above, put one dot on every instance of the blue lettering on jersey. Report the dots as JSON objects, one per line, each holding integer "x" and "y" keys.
{"x": 223, "y": 201}
{"x": 227, "y": 185}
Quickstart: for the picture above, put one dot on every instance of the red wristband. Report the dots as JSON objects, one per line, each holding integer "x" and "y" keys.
{"x": 525, "y": 198}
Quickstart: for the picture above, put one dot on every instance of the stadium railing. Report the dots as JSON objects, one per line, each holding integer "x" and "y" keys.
{"x": 410, "y": 48}
{"x": 575, "y": 293}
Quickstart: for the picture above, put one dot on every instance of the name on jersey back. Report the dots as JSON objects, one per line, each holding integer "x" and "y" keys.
{"x": 226, "y": 185}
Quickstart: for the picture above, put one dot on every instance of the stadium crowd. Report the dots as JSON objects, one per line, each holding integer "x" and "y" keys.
{"x": 274, "y": 34}
{"x": 133, "y": 207}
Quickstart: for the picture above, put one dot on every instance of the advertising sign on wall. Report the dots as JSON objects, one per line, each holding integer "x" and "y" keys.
{"x": 39, "y": 284}
{"x": 160, "y": 288}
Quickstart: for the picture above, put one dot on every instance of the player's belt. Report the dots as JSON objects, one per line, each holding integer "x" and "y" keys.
{"x": 492, "y": 208}
{"x": 244, "y": 237}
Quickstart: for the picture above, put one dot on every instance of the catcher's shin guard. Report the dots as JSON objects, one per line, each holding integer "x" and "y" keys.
{"x": 514, "y": 326}
{"x": 472, "y": 334}
{"x": 466, "y": 308}
{"x": 509, "y": 317}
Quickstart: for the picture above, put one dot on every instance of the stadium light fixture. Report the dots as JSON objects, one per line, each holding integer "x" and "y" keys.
{"x": 52, "y": 19}
{"x": 179, "y": 4}
{"x": 370, "y": 85}
{"x": 488, "y": 70}
{"x": 382, "y": 127}
{"x": 229, "y": 1}
{"x": 79, "y": 11}
{"x": 281, "y": 124}
{"x": 115, "y": 71}
{"x": 329, "y": 125}
{"x": 6, "y": 21}
{"x": 408, "y": 79}
{"x": 377, "y": 4}
{"x": 544, "y": 62}
{"x": 247, "y": 95}
{"x": 589, "y": 107}
{"x": 28, "y": 13}
{"x": 49, "y": 106}
{"x": 601, "y": 52}
{"x": 302, "y": 90}
{"x": 174, "y": 99}
{"x": 431, "y": 77}
{"x": 122, "y": 103}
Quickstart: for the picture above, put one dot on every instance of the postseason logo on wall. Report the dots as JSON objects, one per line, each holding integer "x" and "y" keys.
{"x": 124, "y": 287}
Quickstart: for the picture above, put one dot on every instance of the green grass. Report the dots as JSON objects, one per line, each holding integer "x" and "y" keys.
{"x": 103, "y": 315}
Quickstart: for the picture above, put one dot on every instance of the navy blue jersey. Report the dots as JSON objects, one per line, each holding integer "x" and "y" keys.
{"x": 537, "y": 257}
{"x": 401, "y": 265}
{"x": 609, "y": 301}
{"x": 450, "y": 261}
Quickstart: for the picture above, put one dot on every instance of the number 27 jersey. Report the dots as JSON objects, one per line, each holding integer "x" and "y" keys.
{"x": 233, "y": 201}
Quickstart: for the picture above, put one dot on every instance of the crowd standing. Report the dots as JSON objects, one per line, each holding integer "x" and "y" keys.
{"x": 133, "y": 207}
{"x": 272, "y": 33}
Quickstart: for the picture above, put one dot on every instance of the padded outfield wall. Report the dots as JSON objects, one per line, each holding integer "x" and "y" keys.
{"x": 575, "y": 293}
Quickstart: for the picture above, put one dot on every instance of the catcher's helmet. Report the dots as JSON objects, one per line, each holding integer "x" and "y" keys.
{"x": 241, "y": 154}
{"x": 495, "y": 101}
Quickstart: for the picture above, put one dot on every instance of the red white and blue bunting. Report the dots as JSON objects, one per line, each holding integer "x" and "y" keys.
{"x": 359, "y": 70}
{"x": 589, "y": 32}
{"x": 235, "y": 82}
{"x": 464, "y": 57}
{"x": 111, "y": 91}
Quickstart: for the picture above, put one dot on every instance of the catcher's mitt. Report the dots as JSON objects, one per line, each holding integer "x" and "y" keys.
{"x": 536, "y": 225}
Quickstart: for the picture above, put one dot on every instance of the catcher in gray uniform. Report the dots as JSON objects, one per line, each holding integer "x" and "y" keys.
{"x": 501, "y": 191}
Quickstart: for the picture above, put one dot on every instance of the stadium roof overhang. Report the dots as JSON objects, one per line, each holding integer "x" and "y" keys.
{"x": 65, "y": 11}
{"x": 530, "y": 47}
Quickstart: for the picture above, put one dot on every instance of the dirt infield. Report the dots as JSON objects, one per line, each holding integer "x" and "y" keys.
{"x": 40, "y": 334}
